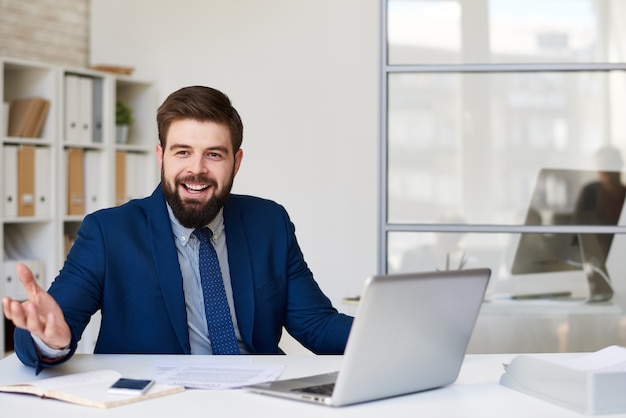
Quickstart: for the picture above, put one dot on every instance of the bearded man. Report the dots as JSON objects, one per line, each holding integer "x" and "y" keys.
{"x": 144, "y": 264}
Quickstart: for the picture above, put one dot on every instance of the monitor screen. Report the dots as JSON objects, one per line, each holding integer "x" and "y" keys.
{"x": 571, "y": 197}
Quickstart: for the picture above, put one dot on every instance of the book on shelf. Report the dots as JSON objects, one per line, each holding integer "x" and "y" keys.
{"x": 27, "y": 117}
{"x": 88, "y": 389}
{"x": 589, "y": 384}
{"x": 37, "y": 127}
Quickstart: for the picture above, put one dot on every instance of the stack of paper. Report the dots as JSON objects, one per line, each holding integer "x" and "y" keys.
{"x": 591, "y": 384}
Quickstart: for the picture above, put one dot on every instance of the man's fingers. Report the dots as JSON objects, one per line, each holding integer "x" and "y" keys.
{"x": 6, "y": 302}
{"x": 33, "y": 322}
{"x": 14, "y": 311}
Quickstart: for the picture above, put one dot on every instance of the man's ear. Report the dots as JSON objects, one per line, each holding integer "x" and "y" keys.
{"x": 238, "y": 158}
{"x": 159, "y": 155}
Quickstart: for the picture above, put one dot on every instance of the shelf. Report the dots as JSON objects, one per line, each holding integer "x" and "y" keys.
{"x": 90, "y": 106}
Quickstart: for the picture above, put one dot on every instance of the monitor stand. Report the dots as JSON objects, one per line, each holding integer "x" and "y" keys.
{"x": 594, "y": 268}
{"x": 593, "y": 264}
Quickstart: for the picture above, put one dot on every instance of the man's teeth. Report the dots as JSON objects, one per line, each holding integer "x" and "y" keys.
{"x": 195, "y": 188}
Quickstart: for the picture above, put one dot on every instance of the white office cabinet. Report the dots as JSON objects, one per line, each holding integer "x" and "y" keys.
{"x": 71, "y": 112}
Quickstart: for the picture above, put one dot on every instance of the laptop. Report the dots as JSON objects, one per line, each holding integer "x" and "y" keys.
{"x": 410, "y": 334}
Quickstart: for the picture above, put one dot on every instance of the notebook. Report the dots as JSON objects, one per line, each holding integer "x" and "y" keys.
{"x": 410, "y": 334}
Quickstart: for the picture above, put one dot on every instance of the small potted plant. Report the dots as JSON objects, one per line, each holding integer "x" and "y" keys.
{"x": 123, "y": 120}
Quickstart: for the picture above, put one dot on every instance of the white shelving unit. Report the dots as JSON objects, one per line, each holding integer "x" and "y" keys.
{"x": 47, "y": 235}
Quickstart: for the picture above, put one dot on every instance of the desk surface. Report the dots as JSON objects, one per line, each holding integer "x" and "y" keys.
{"x": 476, "y": 393}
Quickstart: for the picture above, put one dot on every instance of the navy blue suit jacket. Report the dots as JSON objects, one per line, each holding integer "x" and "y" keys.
{"x": 125, "y": 263}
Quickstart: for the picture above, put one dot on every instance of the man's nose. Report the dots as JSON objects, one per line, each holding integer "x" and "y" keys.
{"x": 198, "y": 166}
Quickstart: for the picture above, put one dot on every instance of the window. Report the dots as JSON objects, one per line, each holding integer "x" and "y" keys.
{"x": 495, "y": 117}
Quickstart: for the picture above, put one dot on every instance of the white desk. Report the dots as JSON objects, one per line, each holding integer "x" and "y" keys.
{"x": 476, "y": 393}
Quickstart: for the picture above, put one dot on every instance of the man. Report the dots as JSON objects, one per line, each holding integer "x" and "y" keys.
{"x": 139, "y": 263}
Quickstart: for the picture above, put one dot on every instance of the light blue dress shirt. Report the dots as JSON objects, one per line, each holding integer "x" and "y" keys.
{"x": 188, "y": 246}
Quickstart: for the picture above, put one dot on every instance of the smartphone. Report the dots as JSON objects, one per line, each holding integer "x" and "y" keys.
{"x": 127, "y": 386}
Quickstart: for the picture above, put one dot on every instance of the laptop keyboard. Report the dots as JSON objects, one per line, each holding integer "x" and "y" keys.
{"x": 325, "y": 389}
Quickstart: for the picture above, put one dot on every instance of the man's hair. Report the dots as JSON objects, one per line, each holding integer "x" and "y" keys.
{"x": 203, "y": 104}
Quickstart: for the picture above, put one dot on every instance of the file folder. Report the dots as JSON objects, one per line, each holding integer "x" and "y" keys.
{"x": 72, "y": 108}
{"x": 12, "y": 285}
{"x": 135, "y": 174}
{"x": 120, "y": 177}
{"x": 86, "y": 110}
{"x": 75, "y": 182}
{"x": 94, "y": 187}
{"x": 98, "y": 111}
{"x": 43, "y": 203}
{"x": 9, "y": 175}
{"x": 26, "y": 180}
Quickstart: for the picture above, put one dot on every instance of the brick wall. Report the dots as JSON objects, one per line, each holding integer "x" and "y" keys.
{"x": 51, "y": 31}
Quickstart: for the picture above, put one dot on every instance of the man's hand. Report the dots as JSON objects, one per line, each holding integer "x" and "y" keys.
{"x": 39, "y": 314}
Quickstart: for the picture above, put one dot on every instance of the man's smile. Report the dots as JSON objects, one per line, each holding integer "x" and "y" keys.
{"x": 195, "y": 188}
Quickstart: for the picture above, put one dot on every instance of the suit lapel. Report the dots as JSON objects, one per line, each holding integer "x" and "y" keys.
{"x": 240, "y": 266}
{"x": 168, "y": 270}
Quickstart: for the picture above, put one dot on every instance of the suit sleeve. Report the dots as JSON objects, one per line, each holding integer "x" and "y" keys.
{"x": 311, "y": 319}
{"x": 76, "y": 289}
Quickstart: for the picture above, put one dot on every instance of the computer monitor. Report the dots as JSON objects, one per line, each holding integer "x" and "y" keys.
{"x": 571, "y": 197}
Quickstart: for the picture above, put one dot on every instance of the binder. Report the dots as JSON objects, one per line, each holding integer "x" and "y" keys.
{"x": 75, "y": 182}
{"x": 94, "y": 189}
{"x": 85, "y": 127}
{"x": 135, "y": 173}
{"x": 26, "y": 180}
{"x": 9, "y": 175}
{"x": 72, "y": 107}
{"x": 98, "y": 111}
{"x": 12, "y": 286}
{"x": 43, "y": 203}
{"x": 120, "y": 177}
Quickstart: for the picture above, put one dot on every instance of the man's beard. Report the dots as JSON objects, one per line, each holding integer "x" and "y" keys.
{"x": 194, "y": 213}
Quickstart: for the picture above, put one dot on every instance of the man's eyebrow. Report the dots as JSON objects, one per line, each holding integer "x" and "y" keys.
{"x": 179, "y": 146}
{"x": 221, "y": 148}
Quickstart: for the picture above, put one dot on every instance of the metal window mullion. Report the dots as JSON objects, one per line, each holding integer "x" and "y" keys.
{"x": 502, "y": 68}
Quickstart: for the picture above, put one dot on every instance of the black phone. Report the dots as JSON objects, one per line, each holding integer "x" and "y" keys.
{"x": 127, "y": 386}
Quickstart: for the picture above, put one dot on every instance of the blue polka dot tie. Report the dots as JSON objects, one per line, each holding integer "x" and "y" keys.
{"x": 220, "y": 324}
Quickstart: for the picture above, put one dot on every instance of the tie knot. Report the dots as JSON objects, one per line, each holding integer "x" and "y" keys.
{"x": 203, "y": 234}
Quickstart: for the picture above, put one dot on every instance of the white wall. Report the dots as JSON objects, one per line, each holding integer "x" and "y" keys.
{"x": 304, "y": 77}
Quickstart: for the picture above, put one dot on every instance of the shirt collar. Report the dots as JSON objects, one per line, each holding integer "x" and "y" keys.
{"x": 182, "y": 233}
